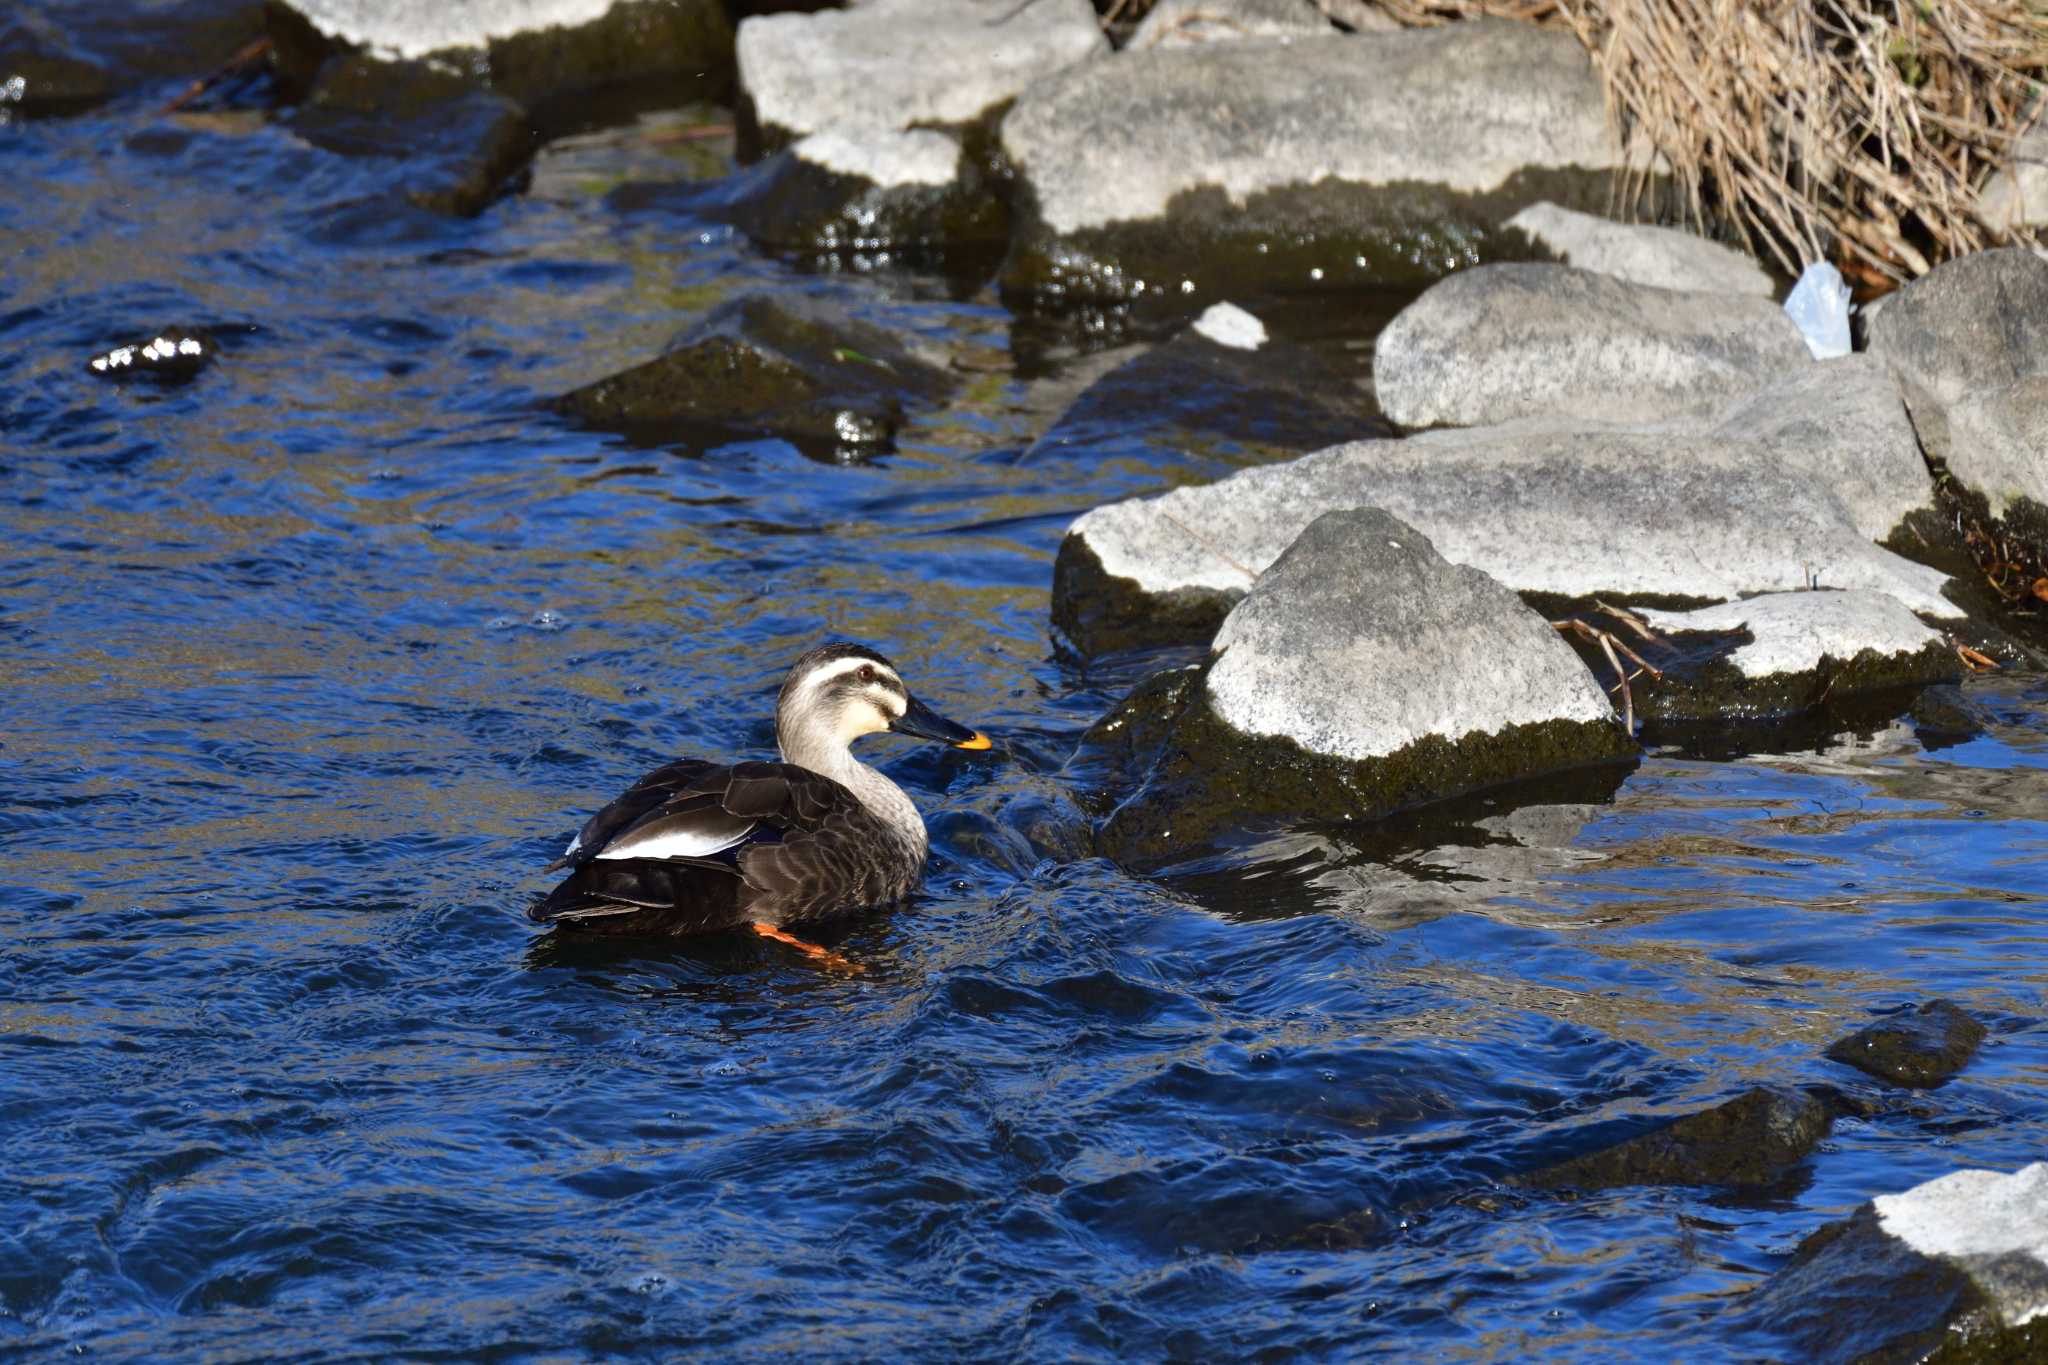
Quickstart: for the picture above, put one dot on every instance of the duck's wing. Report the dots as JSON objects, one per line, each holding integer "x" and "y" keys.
{"x": 683, "y": 840}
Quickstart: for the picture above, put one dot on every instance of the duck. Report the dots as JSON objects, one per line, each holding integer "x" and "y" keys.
{"x": 699, "y": 847}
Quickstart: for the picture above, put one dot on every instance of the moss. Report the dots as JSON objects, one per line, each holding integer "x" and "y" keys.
{"x": 1921, "y": 1048}
{"x": 1331, "y": 235}
{"x": 1992, "y": 1343}
{"x": 1098, "y": 611}
{"x": 1718, "y": 691}
{"x": 634, "y": 56}
{"x": 1208, "y": 778}
{"x": 1749, "y": 1142}
{"x": 791, "y": 205}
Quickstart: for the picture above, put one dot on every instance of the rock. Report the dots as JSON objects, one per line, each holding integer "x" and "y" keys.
{"x": 41, "y": 74}
{"x": 660, "y": 149}
{"x": 2016, "y": 196}
{"x": 1919, "y": 1048}
{"x": 172, "y": 355}
{"x": 455, "y": 146}
{"x": 1660, "y": 257}
{"x": 1530, "y": 340}
{"x": 788, "y": 366}
{"x": 1790, "y": 483}
{"x": 1996, "y": 443}
{"x": 1220, "y": 385}
{"x": 60, "y": 57}
{"x": 543, "y": 53}
{"x": 1957, "y": 1266}
{"x": 863, "y": 192}
{"x": 1785, "y": 652}
{"x": 1361, "y": 675}
{"x": 1179, "y": 23}
{"x": 890, "y": 65}
{"x": 1970, "y": 325}
{"x": 1750, "y": 1142}
{"x": 1359, "y": 158}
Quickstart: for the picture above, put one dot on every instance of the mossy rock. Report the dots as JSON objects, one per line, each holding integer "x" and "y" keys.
{"x": 1920, "y": 1048}
{"x": 1749, "y": 1142}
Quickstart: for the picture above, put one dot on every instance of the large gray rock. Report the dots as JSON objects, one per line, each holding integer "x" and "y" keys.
{"x": 1357, "y": 157}
{"x": 1361, "y": 639}
{"x": 1530, "y": 340}
{"x": 895, "y": 64}
{"x": 1957, "y": 1266}
{"x": 2017, "y": 196}
{"x": 1788, "y": 651}
{"x": 1973, "y": 324}
{"x": 1662, "y": 257}
{"x": 1180, "y": 23}
{"x": 1996, "y": 442}
{"x": 1780, "y": 488}
{"x": 1363, "y": 673}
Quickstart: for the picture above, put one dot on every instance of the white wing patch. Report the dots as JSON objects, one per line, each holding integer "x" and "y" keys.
{"x": 574, "y": 844}
{"x": 661, "y": 839}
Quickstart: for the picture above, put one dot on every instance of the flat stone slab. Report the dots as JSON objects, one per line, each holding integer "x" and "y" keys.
{"x": 1920, "y": 1048}
{"x": 897, "y": 64}
{"x": 1778, "y": 489}
{"x": 1336, "y": 160}
{"x": 790, "y": 366}
{"x": 1534, "y": 340}
{"x": 1786, "y": 652}
{"x": 1636, "y": 253}
{"x": 1957, "y": 1267}
{"x": 1363, "y": 674}
{"x": 1751, "y": 1141}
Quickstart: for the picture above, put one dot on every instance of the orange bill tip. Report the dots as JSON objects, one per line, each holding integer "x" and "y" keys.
{"x": 977, "y": 741}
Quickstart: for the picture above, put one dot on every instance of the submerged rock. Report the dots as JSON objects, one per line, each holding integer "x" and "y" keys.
{"x": 1361, "y": 675}
{"x": 1533, "y": 340}
{"x": 42, "y": 74}
{"x": 1789, "y": 485}
{"x": 172, "y": 356}
{"x": 543, "y": 53}
{"x": 1660, "y": 257}
{"x": 1919, "y": 1048}
{"x": 867, "y": 191}
{"x": 455, "y": 145}
{"x": 1354, "y": 158}
{"x": 1957, "y": 1267}
{"x": 1751, "y": 1141}
{"x": 1785, "y": 652}
{"x": 890, "y": 65}
{"x": 1220, "y": 381}
{"x": 788, "y": 366}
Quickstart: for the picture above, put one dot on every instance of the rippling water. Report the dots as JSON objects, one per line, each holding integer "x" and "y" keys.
{"x": 312, "y": 664}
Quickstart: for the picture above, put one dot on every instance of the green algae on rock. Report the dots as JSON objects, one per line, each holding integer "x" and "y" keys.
{"x": 1920, "y": 1048}
{"x": 1748, "y": 1142}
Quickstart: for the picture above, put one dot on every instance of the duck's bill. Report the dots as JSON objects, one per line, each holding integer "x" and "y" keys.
{"x": 920, "y": 720}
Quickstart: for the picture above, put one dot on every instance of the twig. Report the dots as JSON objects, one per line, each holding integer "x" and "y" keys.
{"x": 1199, "y": 540}
{"x": 1629, "y": 619}
{"x": 249, "y": 52}
{"x": 1608, "y": 645}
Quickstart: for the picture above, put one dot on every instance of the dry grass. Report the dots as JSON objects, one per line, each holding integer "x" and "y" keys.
{"x": 1861, "y": 131}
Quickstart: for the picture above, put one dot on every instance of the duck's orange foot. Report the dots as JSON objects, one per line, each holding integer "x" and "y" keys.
{"x": 824, "y": 957}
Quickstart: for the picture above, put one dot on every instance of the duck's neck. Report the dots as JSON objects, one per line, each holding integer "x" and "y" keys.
{"x": 883, "y": 798}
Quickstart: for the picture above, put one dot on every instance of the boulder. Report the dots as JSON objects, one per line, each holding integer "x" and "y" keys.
{"x": 1363, "y": 674}
{"x": 1956, "y": 1267}
{"x": 1220, "y": 386}
{"x": 453, "y": 145}
{"x": 547, "y": 54}
{"x": 1920, "y": 1048}
{"x": 1976, "y": 323}
{"x": 863, "y": 193}
{"x": 1660, "y": 257}
{"x": 1785, "y": 652}
{"x": 1351, "y": 159}
{"x": 788, "y": 366}
{"x": 1534, "y": 340}
{"x": 60, "y": 57}
{"x": 890, "y": 65}
{"x": 42, "y": 74}
{"x": 1996, "y": 444}
{"x": 1180, "y": 23}
{"x": 1777, "y": 490}
{"x": 1750, "y": 1142}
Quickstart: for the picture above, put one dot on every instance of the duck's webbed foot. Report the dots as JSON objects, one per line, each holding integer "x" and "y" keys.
{"x": 824, "y": 957}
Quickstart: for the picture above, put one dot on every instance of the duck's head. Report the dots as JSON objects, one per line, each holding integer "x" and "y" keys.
{"x": 838, "y": 692}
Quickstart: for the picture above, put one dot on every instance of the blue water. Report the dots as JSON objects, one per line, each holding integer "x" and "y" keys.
{"x": 312, "y": 664}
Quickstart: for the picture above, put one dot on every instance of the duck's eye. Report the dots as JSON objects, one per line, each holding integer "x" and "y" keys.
{"x": 866, "y": 674}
